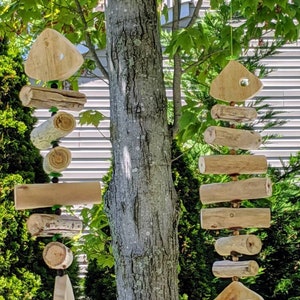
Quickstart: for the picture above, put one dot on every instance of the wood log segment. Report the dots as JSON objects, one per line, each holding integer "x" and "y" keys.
{"x": 39, "y": 97}
{"x": 252, "y": 188}
{"x": 52, "y": 57}
{"x": 47, "y": 225}
{"x": 63, "y": 288}
{"x": 29, "y": 196}
{"x": 228, "y": 268}
{"x": 242, "y": 244}
{"x": 235, "y": 83}
{"x": 57, "y": 256}
{"x": 232, "y": 218}
{"x": 57, "y": 160}
{"x": 56, "y": 127}
{"x": 237, "y": 291}
{"x": 233, "y": 113}
{"x": 233, "y": 164}
{"x": 231, "y": 137}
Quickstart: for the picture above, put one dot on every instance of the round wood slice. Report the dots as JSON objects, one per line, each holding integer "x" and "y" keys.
{"x": 57, "y": 256}
{"x": 57, "y": 160}
{"x": 58, "y": 126}
{"x": 52, "y": 57}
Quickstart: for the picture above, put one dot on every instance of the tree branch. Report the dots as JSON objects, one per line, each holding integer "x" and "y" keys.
{"x": 195, "y": 13}
{"x": 89, "y": 41}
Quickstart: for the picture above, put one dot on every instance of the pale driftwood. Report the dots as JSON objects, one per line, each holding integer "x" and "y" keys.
{"x": 52, "y": 57}
{"x": 57, "y": 160}
{"x": 228, "y": 268}
{"x": 63, "y": 288}
{"x": 235, "y": 83}
{"x": 56, "y": 127}
{"x": 237, "y": 291}
{"x": 46, "y": 225}
{"x": 221, "y": 218}
{"x": 39, "y": 97}
{"x": 242, "y": 244}
{"x": 29, "y": 196}
{"x": 252, "y": 188}
{"x": 231, "y": 137}
{"x": 57, "y": 256}
{"x": 233, "y": 164}
{"x": 233, "y": 113}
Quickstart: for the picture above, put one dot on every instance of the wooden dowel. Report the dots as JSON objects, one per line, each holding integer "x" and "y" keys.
{"x": 253, "y": 188}
{"x": 221, "y": 218}
{"x": 47, "y": 225}
{"x": 233, "y": 164}
{"x": 45, "y": 98}
{"x": 242, "y": 244}
{"x": 228, "y": 268}
{"x": 233, "y": 113}
{"x": 63, "y": 288}
{"x": 231, "y": 137}
{"x": 29, "y": 196}
{"x": 57, "y": 160}
{"x": 237, "y": 291}
{"x": 56, "y": 127}
{"x": 57, "y": 256}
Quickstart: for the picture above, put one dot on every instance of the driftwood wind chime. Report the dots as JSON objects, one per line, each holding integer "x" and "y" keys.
{"x": 54, "y": 58}
{"x": 234, "y": 85}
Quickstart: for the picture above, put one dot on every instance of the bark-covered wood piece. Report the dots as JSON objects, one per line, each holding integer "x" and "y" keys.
{"x": 56, "y": 127}
{"x": 233, "y": 113}
{"x": 237, "y": 291}
{"x": 29, "y": 196}
{"x": 252, "y": 188}
{"x": 235, "y": 83}
{"x": 47, "y": 225}
{"x": 40, "y": 97}
{"x": 57, "y": 256}
{"x": 233, "y": 164}
{"x": 232, "y": 137}
{"x": 242, "y": 244}
{"x": 232, "y": 218}
{"x": 63, "y": 288}
{"x": 52, "y": 57}
{"x": 228, "y": 268}
{"x": 57, "y": 160}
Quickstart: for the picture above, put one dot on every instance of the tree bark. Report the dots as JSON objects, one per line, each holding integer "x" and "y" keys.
{"x": 141, "y": 202}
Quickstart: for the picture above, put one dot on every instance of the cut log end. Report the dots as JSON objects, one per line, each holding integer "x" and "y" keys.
{"x": 57, "y": 160}
{"x": 57, "y": 256}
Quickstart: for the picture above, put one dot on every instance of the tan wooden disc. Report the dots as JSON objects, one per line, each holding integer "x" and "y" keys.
{"x": 237, "y": 291}
{"x": 235, "y": 83}
{"x": 52, "y": 57}
{"x": 57, "y": 160}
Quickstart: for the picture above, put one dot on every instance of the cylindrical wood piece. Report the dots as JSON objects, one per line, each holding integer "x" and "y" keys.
{"x": 233, "y": 164}
{"x": 231, "y": 137}
{"x": 233, "y": 113}
{"x": 56, "y": 127}
{"x": 228, "y": 268}
{"x": 29, "y": 196}
{"x": 242, "y": 244}
{"x": 237, "y": 291}
{"x": 40, "y": 97}
{"x": 63, "y": 288}
{"x": 47, "y": 225}
{"x": 252, "y": 188}
{"x": 232, "y": 218}
{"x": 57, "y": 160}
{"x": 57, "y": 256}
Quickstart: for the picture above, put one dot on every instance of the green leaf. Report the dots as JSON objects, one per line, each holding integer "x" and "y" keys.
{"x": 91, "y": 117}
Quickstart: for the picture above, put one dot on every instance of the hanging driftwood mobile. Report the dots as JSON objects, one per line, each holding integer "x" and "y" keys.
{"x": 235, "y": 84}
{"x": 53, "y": 58}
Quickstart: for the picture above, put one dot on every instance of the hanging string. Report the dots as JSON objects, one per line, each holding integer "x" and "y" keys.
{"x": 52, "y": 13}
{"x": 231, "y": 57}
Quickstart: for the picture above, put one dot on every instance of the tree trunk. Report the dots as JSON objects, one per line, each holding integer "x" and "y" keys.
{"x": 141, "y": 202}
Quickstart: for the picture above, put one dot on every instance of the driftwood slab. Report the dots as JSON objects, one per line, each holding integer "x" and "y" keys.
{"x": 235, "y": 83}
{"x": 52, "y": 57}
{"x": 63, "y": 288}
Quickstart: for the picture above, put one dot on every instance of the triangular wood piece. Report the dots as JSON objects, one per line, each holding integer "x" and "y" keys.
{"x": 237, "y": 291}
{"x": 52, "y": 57}
{"x": 63, "y": 288}
{"x": 235, "y": 83}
